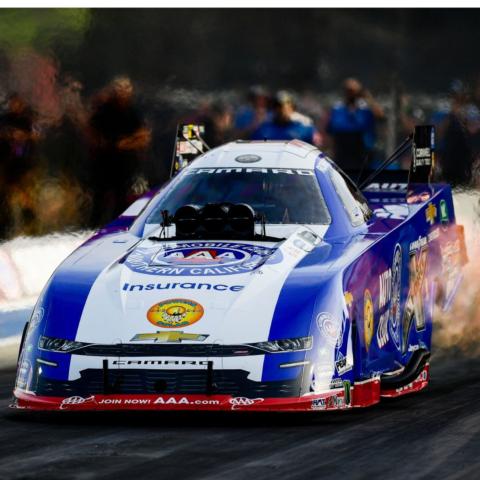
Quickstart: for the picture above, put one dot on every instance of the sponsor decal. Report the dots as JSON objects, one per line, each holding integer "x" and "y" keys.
{"x": 348, "y": 299}
{"x": 169, "y": 337}
{"x": 394, "y": 325}
{"x": 433, "y": 235}
{"x": 194, "y": 363}
{"x": 328, "y": 403}
{"x": 422, "y": 156}
{"x": 238, "y": 402}
{"x": 306, "y": 240}
{"x": 422, "y": 242}
{"x": 336, "y": 383}
{"x": 387, "y": 200}
{"x": 341, "y": 364}
{"x": 248, "y": 158}
{"x": 368, "y": 322}
{"x": 418, "y": 197}
{"x": 431, "y": 213}
{"x": 444, "y": 216}
{"x": 321, "y": 376}
{"x": 76, "y": 400}
{"x": 200, "y": 259}
{"x": 347, "y": 388}
{"x": 382, "y": 329}
{"x": 385, "y": 288}
{"x": 35, "y": 320}
{"x": 37, "y": 317}
{"x": 158, "y": 401}
{"x": 451, "y": 267}
{"x": 275, "y": 171}
{"x": 419, "y": 243}
{"x": 185, "y": 285}
{"x": 200, "y": 256}
{"x": 24, "y": 375}
{"x": 414, "y": 304}
{"x": 397, "y": 187}
{"x": 394, "y": 212}
{"x": 331, "y": 328}
{"x": 423, "y": 377}
{"x": 319, "y": 404}
{"x": 174, "y": 313}
{"x": 384, "y": 300}
{"x": 185, "y": 401}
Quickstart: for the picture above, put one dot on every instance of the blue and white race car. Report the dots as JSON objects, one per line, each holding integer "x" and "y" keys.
{"x": 259, "y": 278}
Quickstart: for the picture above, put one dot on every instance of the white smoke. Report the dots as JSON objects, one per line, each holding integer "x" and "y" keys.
{"x": 27, "y": 263}
{"x": 459, "y": 327}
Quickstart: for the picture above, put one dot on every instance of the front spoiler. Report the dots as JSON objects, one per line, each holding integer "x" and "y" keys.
{"x": 361, "y": 394}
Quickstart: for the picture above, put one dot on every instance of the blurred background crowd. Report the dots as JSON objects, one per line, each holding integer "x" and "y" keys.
{"x": 90, "y": 99}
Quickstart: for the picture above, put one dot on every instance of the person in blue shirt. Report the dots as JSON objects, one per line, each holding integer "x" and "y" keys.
{"x": 286, "y": 123}
{"x": 248, "y": 117}
{"x": 351, "y": 125}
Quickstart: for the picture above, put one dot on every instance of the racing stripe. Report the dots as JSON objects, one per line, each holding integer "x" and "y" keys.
{"x": 68, "y": 291}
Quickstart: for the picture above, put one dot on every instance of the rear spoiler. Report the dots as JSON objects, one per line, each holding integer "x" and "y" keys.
{"x": 421, "y": 143}
{"x": 188, "y": 145}
{"x": 423, "y": 158}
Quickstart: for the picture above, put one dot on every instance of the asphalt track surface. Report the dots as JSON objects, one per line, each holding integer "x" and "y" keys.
{"x": 433, "y": 434}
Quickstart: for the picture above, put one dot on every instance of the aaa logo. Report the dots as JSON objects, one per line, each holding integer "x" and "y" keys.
{"x": 200, "y": 258}
{"x": 174, "y": 313}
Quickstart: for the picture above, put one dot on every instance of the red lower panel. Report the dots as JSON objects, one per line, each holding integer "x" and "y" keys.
{"x": 361, "y": 394}
{"x": 366, "y": 393}
{"x": 418, "y": 384}
{"x": 329, "y": 401}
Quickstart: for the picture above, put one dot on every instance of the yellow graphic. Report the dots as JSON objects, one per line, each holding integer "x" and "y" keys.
{"x": 431, "y": 213}
{"x": 169, "y": 337}
{"x": 348, "y": 299}
{"x": 174, "y": 313}
{"x": 367, "y": 318}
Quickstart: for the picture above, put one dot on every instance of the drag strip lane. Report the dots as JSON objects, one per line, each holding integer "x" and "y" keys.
{"x": 432, "y": 434}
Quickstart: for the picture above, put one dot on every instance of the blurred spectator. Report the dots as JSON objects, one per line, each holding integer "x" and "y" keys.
{"x": 286, "y": 123}
{"x": 18, "y": 138}
{"x": 473, "y": 121}
{"x": 408, "y": 115}
{"x": 249, "y": 117}
{"x": 351, "y": 125}
{"x": 218, "y": 120}
{"x": 454, "y": 146}
{"x": 65, "y": 141}
{"x": 119, "y": 137}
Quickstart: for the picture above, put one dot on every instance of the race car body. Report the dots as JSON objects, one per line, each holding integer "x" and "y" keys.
{"x": 259, "y": 278}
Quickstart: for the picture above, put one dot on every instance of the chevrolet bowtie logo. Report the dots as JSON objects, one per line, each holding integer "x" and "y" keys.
{"x": 169, "y": 337}
{"x": 431, "y": 213}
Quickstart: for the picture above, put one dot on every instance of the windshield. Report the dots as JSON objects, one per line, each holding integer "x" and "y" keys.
{"x": 283, "y": 195}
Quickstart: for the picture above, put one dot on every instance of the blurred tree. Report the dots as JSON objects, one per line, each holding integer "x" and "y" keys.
{"x": 39, "y": 28}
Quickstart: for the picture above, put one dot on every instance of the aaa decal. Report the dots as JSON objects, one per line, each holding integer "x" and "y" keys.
{"x": 174, "y": 313}
{"x": 200, "y": 258}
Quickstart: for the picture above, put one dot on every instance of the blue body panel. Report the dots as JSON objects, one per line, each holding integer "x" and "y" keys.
{"x": 374, "y": 284}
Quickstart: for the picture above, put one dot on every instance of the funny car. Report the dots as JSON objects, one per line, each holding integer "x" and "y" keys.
{"x": 260, "y": 277}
